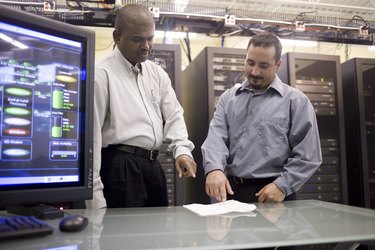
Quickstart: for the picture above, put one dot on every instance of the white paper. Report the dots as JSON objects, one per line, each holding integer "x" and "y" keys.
{"x": 228, "y": 206}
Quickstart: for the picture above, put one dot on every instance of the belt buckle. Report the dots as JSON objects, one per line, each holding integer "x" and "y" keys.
{"x": 153, "y": 154}
{"x": 238, "y": 180}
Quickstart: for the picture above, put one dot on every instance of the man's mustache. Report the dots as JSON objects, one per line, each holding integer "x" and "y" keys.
{"x": 255, "y": 77}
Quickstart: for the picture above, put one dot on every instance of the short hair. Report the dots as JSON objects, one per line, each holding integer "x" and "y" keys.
{"x": 267, "y": 40}
{"x": 131, "y": 14}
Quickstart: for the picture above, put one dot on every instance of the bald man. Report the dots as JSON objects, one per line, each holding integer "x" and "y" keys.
{"x": 135, "y": 110}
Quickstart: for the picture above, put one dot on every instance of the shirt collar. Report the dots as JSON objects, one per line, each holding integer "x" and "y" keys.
{"x": 276, "y": 84}
{"x": 127, "y": 64}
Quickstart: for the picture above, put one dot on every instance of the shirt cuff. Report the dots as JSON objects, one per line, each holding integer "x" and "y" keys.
{"x": 98, "y": 201}
{"x": 283, "y": 186}
{"x": 211, "y": 167}
{"x": 181, "y": 150}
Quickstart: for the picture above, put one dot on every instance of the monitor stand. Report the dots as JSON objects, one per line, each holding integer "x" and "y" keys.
{"x": 42, "y": 211}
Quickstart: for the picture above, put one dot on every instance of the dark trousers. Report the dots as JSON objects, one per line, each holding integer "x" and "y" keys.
{"x": 132, "y": 181}
{"x": 245, "y": 189}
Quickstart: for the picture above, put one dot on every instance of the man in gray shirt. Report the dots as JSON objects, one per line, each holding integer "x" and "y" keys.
{"x": 263, "y": 141}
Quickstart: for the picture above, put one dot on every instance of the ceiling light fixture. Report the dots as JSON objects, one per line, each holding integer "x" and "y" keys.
{"x": 174, "y": 34}
{"x": 303, "y": 43}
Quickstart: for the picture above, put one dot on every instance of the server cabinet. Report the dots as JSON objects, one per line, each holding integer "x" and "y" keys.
{"x": 358, "y": 76}
{"x": 319, "y": 77}
{"x": 168, "y": 56}
{"x": 212, "y": 72}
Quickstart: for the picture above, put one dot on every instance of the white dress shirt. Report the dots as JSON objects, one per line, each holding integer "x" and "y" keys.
{"x": 138, "y": 109}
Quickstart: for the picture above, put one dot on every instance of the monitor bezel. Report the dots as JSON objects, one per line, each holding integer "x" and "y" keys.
{"x": 84, "y": 190}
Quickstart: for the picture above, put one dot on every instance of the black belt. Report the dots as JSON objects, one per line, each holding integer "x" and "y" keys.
{"x": 148, "y": 154}
{"x": 240, "y": 180}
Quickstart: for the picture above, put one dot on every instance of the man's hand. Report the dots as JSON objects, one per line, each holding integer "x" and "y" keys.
{"x": 217, "y": 185}
{"x": 270, "y": 193}
{"x": 218, "y": 227}
{"x": 272, "y": 211}
{"x": 185, "y": 166}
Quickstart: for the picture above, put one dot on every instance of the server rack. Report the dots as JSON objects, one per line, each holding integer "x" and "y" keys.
{"x": 168, "y": 56}
{"x": 319, "y": 77}
{"x": 212, "y": 72}
{"x": 358, "y": 76}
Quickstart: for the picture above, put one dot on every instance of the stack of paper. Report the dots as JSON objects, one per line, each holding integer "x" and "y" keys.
{"x": 221, "y": 208}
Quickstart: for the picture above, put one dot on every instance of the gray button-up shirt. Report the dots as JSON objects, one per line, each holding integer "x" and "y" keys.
{"x": 261, "y": 135}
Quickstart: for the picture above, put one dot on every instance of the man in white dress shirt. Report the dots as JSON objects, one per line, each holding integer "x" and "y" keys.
{"x": 135, "y": 110}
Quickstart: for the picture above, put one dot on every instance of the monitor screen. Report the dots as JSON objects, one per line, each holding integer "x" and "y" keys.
{"x": 46, "y": 101}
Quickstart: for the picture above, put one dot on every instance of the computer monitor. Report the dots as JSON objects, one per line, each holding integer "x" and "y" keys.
{"x": 46, "y": 108}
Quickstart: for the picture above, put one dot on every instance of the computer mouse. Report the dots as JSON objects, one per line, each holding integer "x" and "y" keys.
{"x": 73, "y": 223}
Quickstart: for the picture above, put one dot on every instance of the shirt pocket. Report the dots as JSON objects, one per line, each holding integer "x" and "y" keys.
{"x": 272, "y": 136}
{"x": 156, "y": 102}
{"x": 156, "y": 98}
